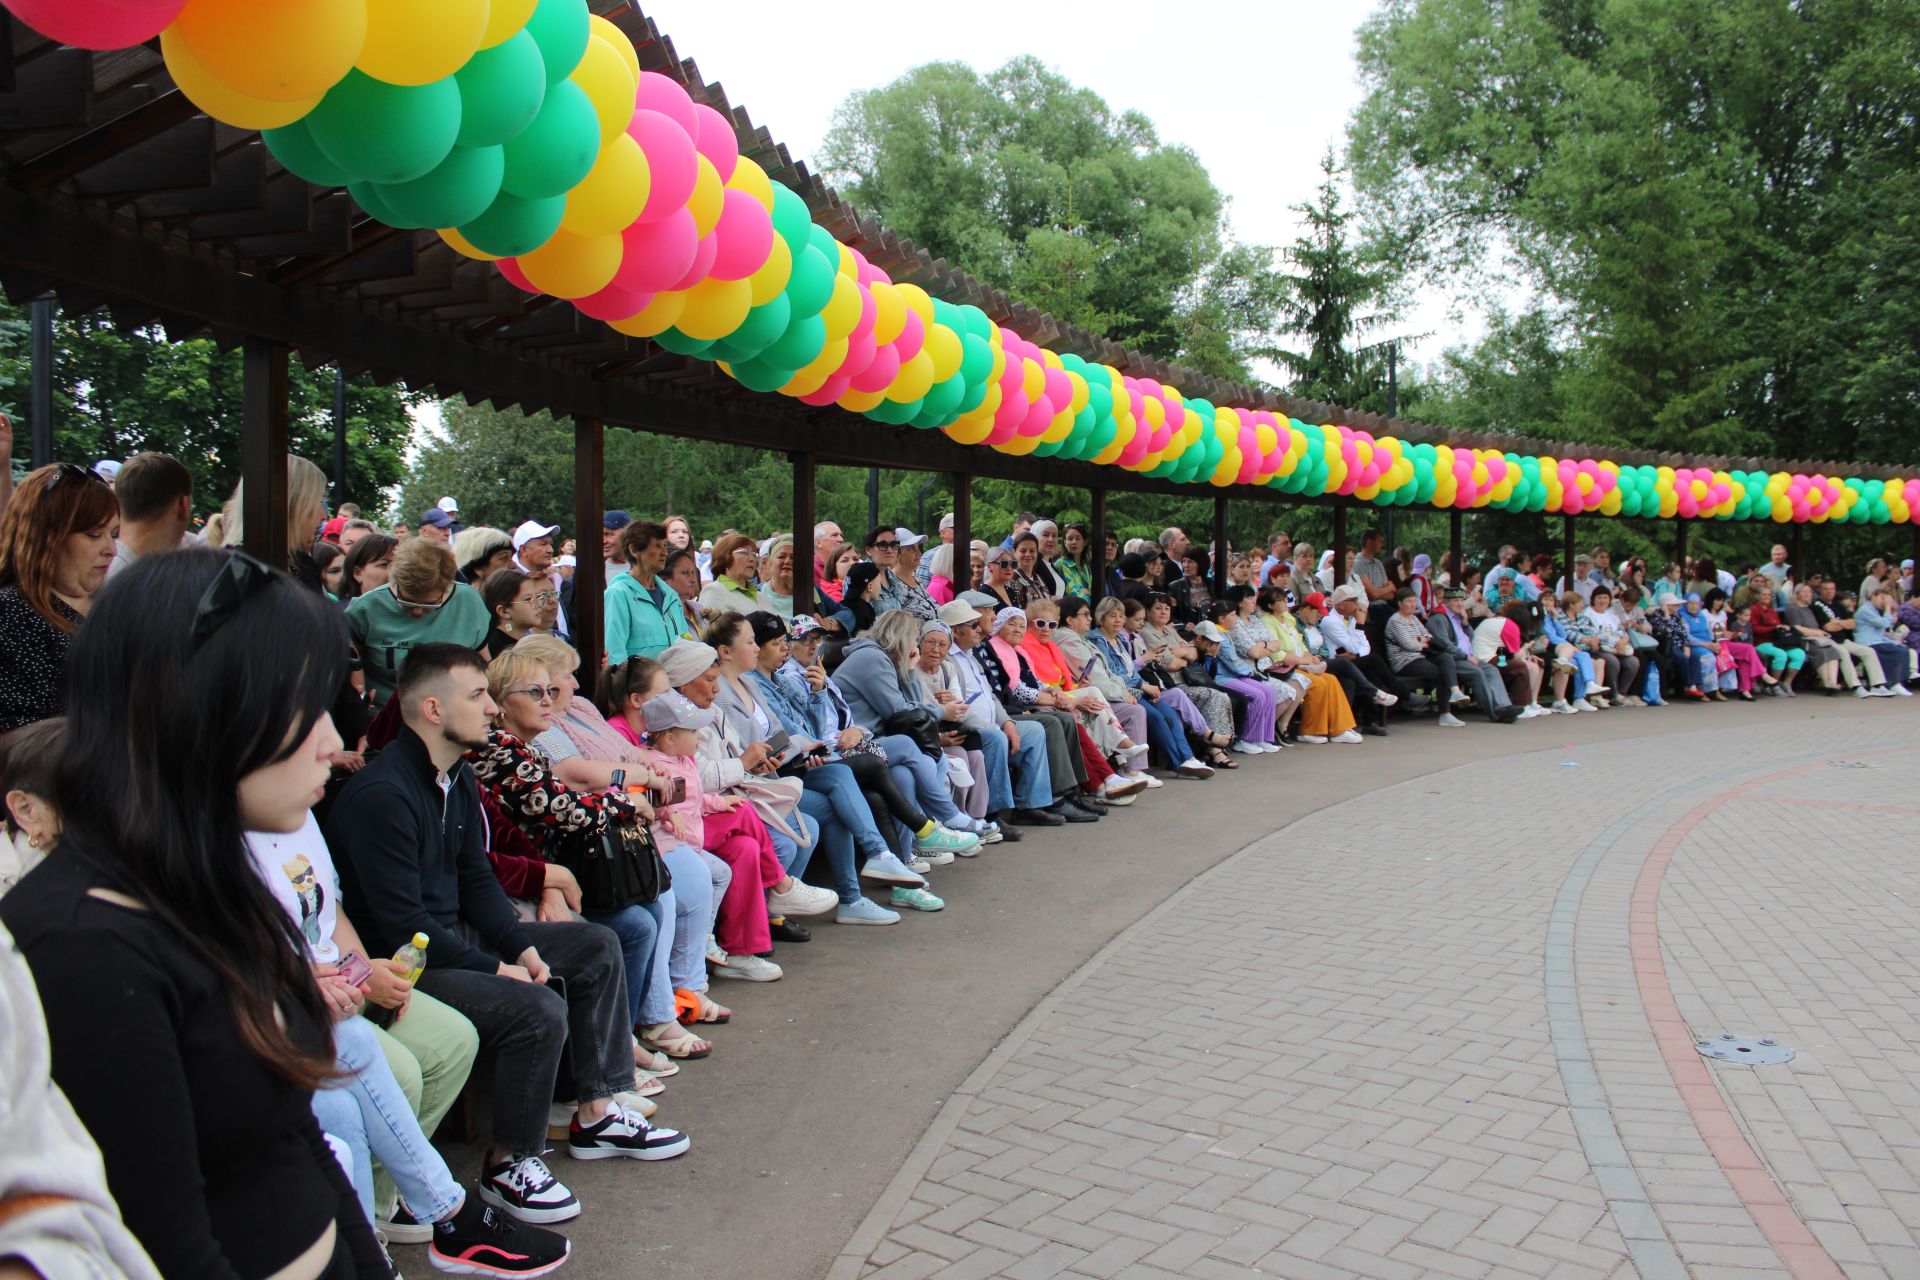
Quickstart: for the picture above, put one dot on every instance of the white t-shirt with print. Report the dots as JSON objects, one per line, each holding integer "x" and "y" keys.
{"x": 299, "y": 872}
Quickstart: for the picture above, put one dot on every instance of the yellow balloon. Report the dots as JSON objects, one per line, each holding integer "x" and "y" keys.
{"x": 604, "y": 30}
{"x": 603, "y": 74}
{"x": 945, "y": 350}
{"x": 861, "y": 401}
{"x": 917, "y": 301}
{"x": 504, "y": 20}
{"x": 572, "y": 266}
{"x": 965, "y": 432}
{"x": 1019, "y": 446}
{"x": 420, "y": 41}
{"x": 842, "y": 311}
{"x": 705, "y": 202}
{"x": 1033, "y": 378}
{"x": 612, "y": 194}
{"x": 287, "y": 51}
{"x": 752, "y": 179}
{"x": 889, "y": 312}
{"x": 771, "y": 279}
{"x": 1050, "y": 358}
{"x": 461, "y": 245}
{"x": 715, "y": 308}
{"x": 220, "y": 102}
{"x": 827, "y": 361}
{"x": 914, "y": 380}
{"x": 847, "y": 266}
{"x": 656, "y": 317}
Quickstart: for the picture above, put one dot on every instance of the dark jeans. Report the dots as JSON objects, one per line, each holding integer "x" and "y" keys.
{"x": 525, "y": 1026}
{"x": 1065, "y": 768}
{"x": 639, "y": 935}
{"x": 1435, "y": 668}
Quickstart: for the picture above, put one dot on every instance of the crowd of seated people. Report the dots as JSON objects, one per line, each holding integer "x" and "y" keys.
{"x": 313, "y": 842}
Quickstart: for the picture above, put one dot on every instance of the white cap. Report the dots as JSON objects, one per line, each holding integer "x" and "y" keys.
{"x": 530, "y": 530}
{"x": 946, "y": 521}
{"x": 449, "y": 506}
{"x": 908, "y": 538}
{"x": 1212, "y": 631}
{"x": 107, "y": 469}
{"x": 565, "y": 562}
{"x": 1346, "y": 591}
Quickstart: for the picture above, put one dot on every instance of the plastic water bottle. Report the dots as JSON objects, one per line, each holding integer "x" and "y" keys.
{"x": 414, "y": 956}
{"x": 1653, "y": 683}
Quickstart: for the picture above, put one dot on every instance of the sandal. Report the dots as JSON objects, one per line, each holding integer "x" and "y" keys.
{"x": 675, "y": 1041}
{"x": 1221, "y": 760}
{"x": 694, "y": 1006}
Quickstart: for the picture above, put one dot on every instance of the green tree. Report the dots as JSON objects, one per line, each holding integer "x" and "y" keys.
{"x": 1335, "y": 294}
{"x": 116, "y": 393}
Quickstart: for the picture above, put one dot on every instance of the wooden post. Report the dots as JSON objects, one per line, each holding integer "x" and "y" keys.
{"x": 1795, "y": 548}
{"x": 1097, "y": 553}
{"x": 589, "y": 567}
{"x": 962, "y": 531}
{"x": 1220, "y": 548}
{"x": 803, "y": 521}
{"x": 40, "y": 389}
{"x": 1567, "y": 554}
{"x": 1339, "y": 545}
{"x": 1680, "y": 549}
{"x": 1456, "y": 551}
{"x": 263, "y": 451}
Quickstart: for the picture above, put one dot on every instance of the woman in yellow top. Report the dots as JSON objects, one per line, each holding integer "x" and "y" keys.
{"x": 1324, "y": 713}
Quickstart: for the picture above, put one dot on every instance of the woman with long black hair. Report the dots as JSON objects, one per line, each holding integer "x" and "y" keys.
{"x": 197, "y": 712}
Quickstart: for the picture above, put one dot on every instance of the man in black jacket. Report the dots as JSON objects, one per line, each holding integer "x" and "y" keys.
{"x": 410, "y": 838}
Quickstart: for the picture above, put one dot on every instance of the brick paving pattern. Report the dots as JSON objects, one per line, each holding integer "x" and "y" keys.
{"x": 1335, "y": 1055}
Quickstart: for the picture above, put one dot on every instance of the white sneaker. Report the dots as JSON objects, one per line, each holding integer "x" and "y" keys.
{"x": 1596, "y": 688}
{"x": 527, "y": 1189}
{"x": 802, "y": 900}
{"x": 1350, "y": 737}
{"x": 1120, "y": 785}
{"x": 888, "y": 869}
{"x": 1581, "y": 704}
{"x": 1133, "y": 752}
{"x": 1562, "y": 708}
{"x": 1317, "y": 739}
{"x": 1153, "y": 783}
{"x": 1382, "y": 698}
{"x": 751, "y": 968}
{"x": 1457, "y": 694}
{"x": 1901, "y": 691}
{"x": 933, "y": 857}
{"x": 1271, "y": 748}
{"x": 1860, "y": 692}
{"x": 1448, "y": 720}
{"x": 1881, "y": 692}
{"x": 716, "y": 954}
{"x": 920, "y": 866}
{"x": 1245, "y": 748}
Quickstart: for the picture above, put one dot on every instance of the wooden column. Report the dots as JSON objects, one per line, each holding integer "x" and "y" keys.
{"x": 40, "y": 389}
{"x": 803, "y": 522}
{"x": 1219, "y": 545}
{"x": 962, "y": 530}
{"x": 1680, "y": 549}
{"x": 1567, "y": 552}
{"x": 1456, "y": 550}
{"x": 1796, "y": 547}
{"x": 1339, "y": 547}
{"x": 1097, "y": 553}
{"x": 263, "y": 450}
{"x": 586, "y": 619}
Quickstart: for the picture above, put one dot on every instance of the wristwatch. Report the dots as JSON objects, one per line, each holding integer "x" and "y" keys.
{"x": 619, "y": 780}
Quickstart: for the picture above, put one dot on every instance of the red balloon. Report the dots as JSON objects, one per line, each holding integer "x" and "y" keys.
{"x": 657, "y": 255}
{"x": 673, "y": 166}
{"x": 716, "y": 140}
{"x": 510, "y": 268}
{"x": 93, "y": 24}
{"x": 860, "y": 350}
{"x": 911, "y": 338}
{"x": 745, "y": 233}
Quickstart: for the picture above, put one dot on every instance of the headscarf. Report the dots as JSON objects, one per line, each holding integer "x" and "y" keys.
{"x": 687, "y": 660}
{"x": 932, "y": 625}
{"x": 1006, "y": 650}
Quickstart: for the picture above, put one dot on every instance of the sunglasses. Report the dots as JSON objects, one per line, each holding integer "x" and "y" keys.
{"x": 66, "y": 469}
{"x": 1003, "y": 564}
{"x": 539, "y": 693}
{"x": 416, "y": 604}
{"x": 886, "y": 546}
{"x": 241, "y": 577}
{"x": 543, "y": 597}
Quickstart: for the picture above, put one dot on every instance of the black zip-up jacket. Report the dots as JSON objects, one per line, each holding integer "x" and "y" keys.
{"x": 412, "y": 859}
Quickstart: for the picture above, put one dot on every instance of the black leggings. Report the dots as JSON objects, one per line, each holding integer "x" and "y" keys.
{"x": 883, "y": 797}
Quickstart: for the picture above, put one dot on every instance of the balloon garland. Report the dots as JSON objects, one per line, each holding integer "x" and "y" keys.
{"x": 525, "y": 133}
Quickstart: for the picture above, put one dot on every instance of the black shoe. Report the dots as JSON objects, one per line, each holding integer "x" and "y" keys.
{"x": 785, "y": 930}
{"x": 1506, "y": 715}
{"x": 1374, "y": 730}
{"x": 481, "y": 1240}
{"x": 1008, "y": 832}
{"x": 1074, "y": 813}
{"x": 1088, "y": 801}
{"x": 1033, "y": 818}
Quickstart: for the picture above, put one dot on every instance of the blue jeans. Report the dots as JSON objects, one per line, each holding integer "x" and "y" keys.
{"x": 656, "y": 1002}
{"x": 827, "y": 809}
{"x": 1034, "y": 774}
{"x": 696, "y": 889}
{"x": 369, "y": 1113}
{"x": 1165, "y": 731}
{"x": 923, "y": 778}
{"x": 793, "y": 855}
{"x": 639, "y": 935}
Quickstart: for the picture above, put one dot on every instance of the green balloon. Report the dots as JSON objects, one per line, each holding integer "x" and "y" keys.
{"x": 550, "y": 156}
{"x": 380, "y": 132}
{"x": 367, "y": 195}
{"x": 463, "y": 187}
{"x": 820, "y": 238}
{"x": 758, "y": 375}
{"x": 945, "y": 396}
{"x": 895, "y": 413}
{"x": 811, "y": 285}
{"x": 791, "y": 221}
{"x": 976, "y": 358}
{"x": 762, "y": 325}
{"x": 512, "y": 226}
{"x": 560, "y": 28}
{"x": 800, "y": 345}
{"x": 294, "y": 147}
{"x": 680, "y": 344}
{"x": 501, "y": 90}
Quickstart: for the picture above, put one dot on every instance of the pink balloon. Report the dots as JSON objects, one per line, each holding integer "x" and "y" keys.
{"x": 510, "y": 268}
{"x": 868, "y": 274}
{"x": 912, "y": 337}
{"x": 1039, "y": 417}
{"x": 715, "y": 138}
{"x": 829, "y": 391}
{"x": 664, "y": 95}
{"x": 860, "y": 352}
{"x": 613, "y": 303}
{"x": 745, "y": 235}
{"x": 90, "y": 24}
{"x": 1008, "y": 417}
{"x": 869, "y": 312}
{"x": 657, "y": 255}
{"x": 673, "y": 166}
{"x": 702, "y": 263}
{"x": 880, "y": 374}
{"x": 1059, "y": 389}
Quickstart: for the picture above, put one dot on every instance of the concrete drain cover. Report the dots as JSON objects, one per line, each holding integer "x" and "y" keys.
{"x": 1848, "y": 764}
{"x": 1745, "y": 1050}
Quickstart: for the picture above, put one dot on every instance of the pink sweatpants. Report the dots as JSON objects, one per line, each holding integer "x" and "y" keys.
{"x": 739, "y": 838}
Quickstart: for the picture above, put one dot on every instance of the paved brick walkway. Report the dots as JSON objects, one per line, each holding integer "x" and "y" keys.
{"x": 1433, "y": 1032}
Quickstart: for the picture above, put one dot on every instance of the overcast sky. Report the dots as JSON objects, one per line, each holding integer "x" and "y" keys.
{"x": 1220, "y": 78}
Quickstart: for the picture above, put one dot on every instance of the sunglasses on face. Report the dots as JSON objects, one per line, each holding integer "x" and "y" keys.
{"x": 539, "y": 693}
{"x": 1003, "y": 564}
{"x": 1042, "y": 624}
{"x": 886, "y": 546}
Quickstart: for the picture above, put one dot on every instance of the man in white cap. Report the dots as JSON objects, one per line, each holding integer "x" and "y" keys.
{"x": 533, "y": 556}
{"x": 1025, "y": 801}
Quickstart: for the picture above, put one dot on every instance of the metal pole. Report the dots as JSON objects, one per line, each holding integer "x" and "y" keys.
{"x": 1339, "y": 545}
{"x": 1566, "y": 551}
{"x": 1455, "y": 549}
{"x": 1680, "y": 549}
{"x": 1220, "y": 548}
{"x": 340, "y": 438}
{"x": 873, "y": 497}
{"x": 1097, "y": 553}
{"x": 1393, "y": 411}
{"x": 962, "y": 531}
{"x": 589, "y": 568}
{"x": 40, "y": 395}
{"x": 803, "y": 521}
{"x": 263, "y": 451}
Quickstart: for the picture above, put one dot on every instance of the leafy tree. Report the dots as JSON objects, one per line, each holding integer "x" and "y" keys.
{"x": 1334, "y": 296}
{"x": 116, "y": 393}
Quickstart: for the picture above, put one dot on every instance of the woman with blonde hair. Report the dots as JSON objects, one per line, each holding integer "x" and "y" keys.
{"x": 481, "y": 552}
{"x": 306, "y": 510}
{"x": 420, "y": 603}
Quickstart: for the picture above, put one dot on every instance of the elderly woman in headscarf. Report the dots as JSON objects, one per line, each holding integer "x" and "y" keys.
{"x": 938, "y": 684}
{"x": 1324, "y": 571}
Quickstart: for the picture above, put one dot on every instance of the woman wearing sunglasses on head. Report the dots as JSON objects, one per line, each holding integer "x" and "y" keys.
{"x": 420, "y": 604}
{"x": 56, "y": 542}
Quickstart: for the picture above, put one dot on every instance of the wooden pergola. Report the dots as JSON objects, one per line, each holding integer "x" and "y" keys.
{"x": 116, "y": 194}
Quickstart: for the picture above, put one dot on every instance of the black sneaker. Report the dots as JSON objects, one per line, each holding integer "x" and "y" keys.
{"x": 479, "y": 1240}
{"x": 528, "y": 1190}
{"x": 622, "y": 1133}
{"x": 785, "y": 930}
{"x": 404, "y": 1228}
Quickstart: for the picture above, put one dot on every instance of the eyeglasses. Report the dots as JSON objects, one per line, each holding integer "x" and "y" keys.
{"x": 543, "y": 597}
{"x": 538, "y": 693}
{"x": 241, "y": 577}
{"x": 65, "y": 469}
{"x": 415, "y": 604}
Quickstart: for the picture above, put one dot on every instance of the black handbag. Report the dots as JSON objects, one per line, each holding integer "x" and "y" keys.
{"x": 1788, "y": 638}
{"x": 917, "y": 723}
{"x": 620, "y": 869}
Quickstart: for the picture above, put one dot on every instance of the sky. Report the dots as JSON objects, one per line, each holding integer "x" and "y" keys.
{"x": 1207, "y": 74}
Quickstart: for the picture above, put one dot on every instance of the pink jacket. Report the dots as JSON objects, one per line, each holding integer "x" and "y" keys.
{"x": 681, "y": 823}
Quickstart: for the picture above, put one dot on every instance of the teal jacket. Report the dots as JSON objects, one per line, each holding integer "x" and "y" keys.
{"x": 638, "y": 626}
